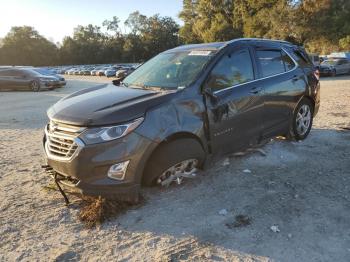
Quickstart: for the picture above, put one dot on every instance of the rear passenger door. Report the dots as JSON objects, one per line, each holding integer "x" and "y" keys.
{"x": 283, "y": 84}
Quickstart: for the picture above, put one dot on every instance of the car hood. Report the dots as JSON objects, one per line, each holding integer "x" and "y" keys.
{"x": 106, "y": 105}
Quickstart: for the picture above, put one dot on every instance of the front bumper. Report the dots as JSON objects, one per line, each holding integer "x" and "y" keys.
{"x": 62, "y": 83}
{"x": 87, "y": 170}
{"x": 50, "y": 84}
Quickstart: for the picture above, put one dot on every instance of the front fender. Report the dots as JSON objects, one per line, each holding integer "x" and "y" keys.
{"x": 183, "y": 114}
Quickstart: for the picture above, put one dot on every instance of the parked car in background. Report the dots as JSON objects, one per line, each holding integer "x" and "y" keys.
{"x": 177, "y": 110}
{"x": 340, "y": 55}
{"x": 43, "y": 71}
{"x": 26, "y": 79}
{"x": 94, "y": 71}
{"x": 72, "y": 71}
{"x": 110, "y": 72}
{"x": 335, "y": 66}
{"x": 101, "y": 72}
{"x": 122, "y": 73}
{"x": 87, "y": 72}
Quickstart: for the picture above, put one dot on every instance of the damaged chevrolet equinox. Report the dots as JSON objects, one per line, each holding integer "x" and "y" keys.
{"x": 176, "y": 111}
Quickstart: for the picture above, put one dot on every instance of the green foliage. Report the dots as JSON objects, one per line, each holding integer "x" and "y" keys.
{"x": 344, "y": 43}
{"x": 24, "y": 46}
{"x": 322, "y": 25}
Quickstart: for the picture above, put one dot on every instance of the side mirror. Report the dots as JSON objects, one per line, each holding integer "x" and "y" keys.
{"x": 116, "y": 82}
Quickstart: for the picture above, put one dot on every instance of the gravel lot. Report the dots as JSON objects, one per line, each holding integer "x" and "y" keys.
{"x": 301, "y": 188}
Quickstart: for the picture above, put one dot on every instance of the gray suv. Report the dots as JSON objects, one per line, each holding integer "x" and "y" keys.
{"x": 176, "y": 111}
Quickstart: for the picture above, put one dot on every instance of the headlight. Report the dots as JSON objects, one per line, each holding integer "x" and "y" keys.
{"x": 103, "y": 134}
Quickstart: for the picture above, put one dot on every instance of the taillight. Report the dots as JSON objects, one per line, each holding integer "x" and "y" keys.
{"x": 317, "y": 74}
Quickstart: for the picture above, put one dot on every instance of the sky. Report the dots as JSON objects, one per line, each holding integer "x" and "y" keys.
{"x": 55, "y": 19}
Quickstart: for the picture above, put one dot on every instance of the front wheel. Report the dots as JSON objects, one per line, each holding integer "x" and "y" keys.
{"x": 35, "y": 86}
{"x": 174, "y": 161}
{"x": 302, "y": 120}
{"x": 334, "y": 73}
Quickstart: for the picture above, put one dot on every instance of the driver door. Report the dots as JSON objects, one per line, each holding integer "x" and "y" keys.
{"x": 235, "y": 103}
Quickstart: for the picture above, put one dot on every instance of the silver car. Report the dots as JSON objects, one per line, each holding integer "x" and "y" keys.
{"x": 335, "y": 66}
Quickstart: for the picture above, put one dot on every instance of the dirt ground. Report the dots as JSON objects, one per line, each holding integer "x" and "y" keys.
{"x": 301, "y": 189}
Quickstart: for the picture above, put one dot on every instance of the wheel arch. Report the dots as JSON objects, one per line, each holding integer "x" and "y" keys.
{"x": 308, "y": 97}
{"x": 171, "y": 138}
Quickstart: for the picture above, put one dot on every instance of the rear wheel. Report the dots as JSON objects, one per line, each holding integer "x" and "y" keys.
{"x": 174, "y": 161}
{"x": 302, "y": 120}
{"x": 35, "y": 86}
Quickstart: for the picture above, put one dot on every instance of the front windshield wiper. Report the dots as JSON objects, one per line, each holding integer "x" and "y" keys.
{"x": 148, "y": 87}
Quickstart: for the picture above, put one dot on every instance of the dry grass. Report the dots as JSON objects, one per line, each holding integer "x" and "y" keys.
{"x": 95, "y": 210}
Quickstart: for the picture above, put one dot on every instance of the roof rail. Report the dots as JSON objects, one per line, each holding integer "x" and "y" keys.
{"x": 257, "y": 39}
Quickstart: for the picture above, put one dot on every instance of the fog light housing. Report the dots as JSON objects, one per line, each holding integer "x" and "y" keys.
{"x": 118, "y": 171}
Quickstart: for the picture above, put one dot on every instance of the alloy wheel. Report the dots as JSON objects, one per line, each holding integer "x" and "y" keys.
{"x": 35, "y": 86}
{"x": 179, "y": 171}
{"x": 303, "y": 119}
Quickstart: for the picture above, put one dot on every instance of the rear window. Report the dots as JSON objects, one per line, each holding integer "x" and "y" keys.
{"x": 271, "y": 62}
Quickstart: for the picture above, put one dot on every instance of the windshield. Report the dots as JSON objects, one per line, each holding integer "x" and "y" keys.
{"x": 42, "y": 71}
{"x": 32, "y": 72}
{"x": 329, "y": 62}
{"x": 169, "y": 70}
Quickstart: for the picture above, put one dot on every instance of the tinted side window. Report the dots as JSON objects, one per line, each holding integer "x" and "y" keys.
{"x": 270, "y": 61}
{"x": 231, "y": 70}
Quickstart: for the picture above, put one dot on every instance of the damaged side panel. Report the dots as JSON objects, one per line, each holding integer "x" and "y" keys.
{"x": 185, "y": 114}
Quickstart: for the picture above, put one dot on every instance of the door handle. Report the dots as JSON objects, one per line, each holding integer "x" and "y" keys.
{"x": 255, "y": 90}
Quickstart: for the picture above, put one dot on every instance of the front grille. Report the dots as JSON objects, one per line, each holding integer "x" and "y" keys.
{"x": 61, "y": 140}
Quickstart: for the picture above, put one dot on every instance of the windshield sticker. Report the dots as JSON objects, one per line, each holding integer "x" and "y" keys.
{"x": 201, "y": 53}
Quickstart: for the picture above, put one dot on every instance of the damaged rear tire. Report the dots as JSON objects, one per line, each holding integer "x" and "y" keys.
{"x": 172, "y": 158}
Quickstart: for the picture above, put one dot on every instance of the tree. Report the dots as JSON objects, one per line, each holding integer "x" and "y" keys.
{"x": 150, "y": 35}
{"x": 85, "y": 47}
{"x": 25, "y": 46}
{"x": 344, "y": 43}
{"x": 321, "y": 25}
{"x": 112, "y": 25}
{"x": 208, "y": 21}
{"x": 189, "y": 16}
